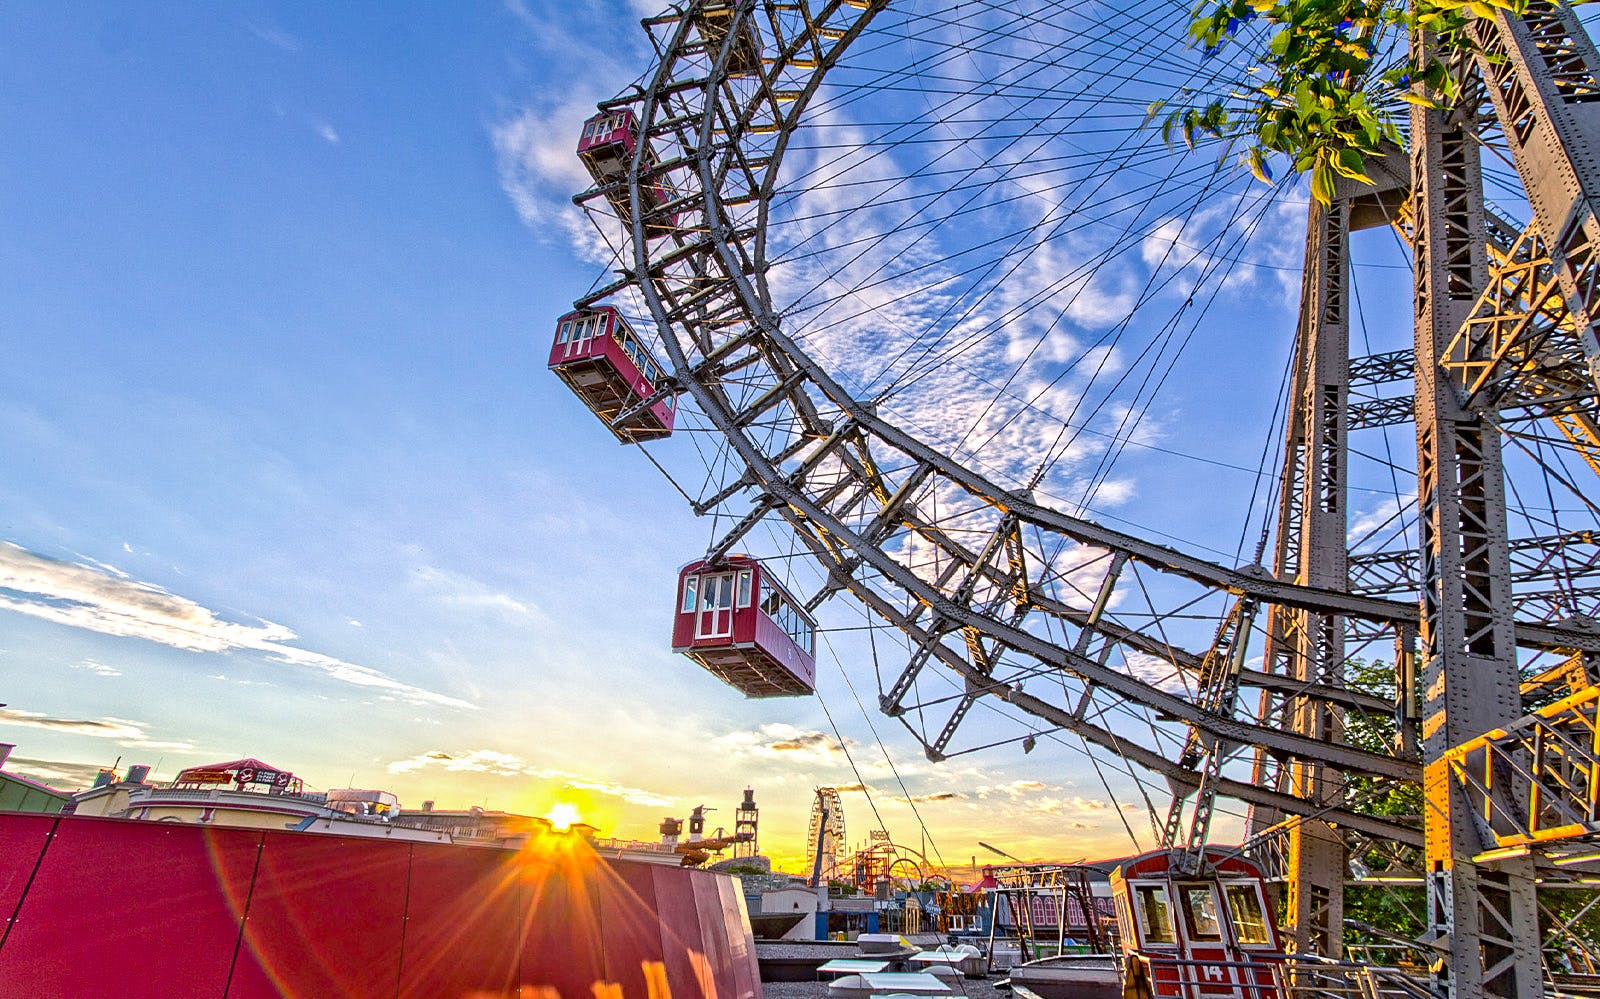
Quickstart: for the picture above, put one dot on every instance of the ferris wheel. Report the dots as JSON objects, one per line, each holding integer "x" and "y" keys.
{"x": 825, "y": 842}
{"x": 915, "y": 282}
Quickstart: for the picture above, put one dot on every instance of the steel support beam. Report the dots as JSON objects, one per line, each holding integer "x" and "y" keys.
{"x": 1316, "y": 850}
{"x": 1484, "y": 918}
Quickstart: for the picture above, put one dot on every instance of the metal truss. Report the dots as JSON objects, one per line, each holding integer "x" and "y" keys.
{"x": 1468, "y": 660}
{"x": 1007, "y": 603}
{"x": 1536, "y": 782}
{"x": 1569, "y": 563}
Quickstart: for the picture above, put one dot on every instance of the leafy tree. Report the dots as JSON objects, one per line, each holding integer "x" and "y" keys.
{"x": 1394, "y": 909}
{"x": 1398, "y": 911}
{"x": 1331, "y": 78}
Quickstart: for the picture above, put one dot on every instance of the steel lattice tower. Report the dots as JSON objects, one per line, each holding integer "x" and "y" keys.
{"x": 1477, "y": 344}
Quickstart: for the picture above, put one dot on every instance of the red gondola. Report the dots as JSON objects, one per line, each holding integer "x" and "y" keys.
{"x": 1209, "y": 935}
{"x": 738, "y": 622}
{"x": 597, "y": 354}
{"x": 606, "y": 148}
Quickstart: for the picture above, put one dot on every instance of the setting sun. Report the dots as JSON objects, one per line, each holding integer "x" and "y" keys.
{"x": 563, "y": 816}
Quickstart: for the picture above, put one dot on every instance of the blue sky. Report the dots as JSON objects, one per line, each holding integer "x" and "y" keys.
{"x": 285, "y": 475}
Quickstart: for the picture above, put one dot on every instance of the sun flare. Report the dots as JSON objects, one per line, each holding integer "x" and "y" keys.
{"x": 563, "y": 816}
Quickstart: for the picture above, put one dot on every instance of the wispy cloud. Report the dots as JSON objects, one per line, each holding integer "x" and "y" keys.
{"x": 498, "y": 764}
{"x": 804, "y": 742}
{"x": 536, "y": 143}
{"x": 326, "y": 132}
{"x": 92, "y": 598}
{"x": 97, "y": 668}
{"x": 1015, "y": 789}
{"x": 936, "y": 796}
{"x": 126, "y": 732}
{"x": 1155, "y": 671}
{"x": 794, "y": 746}
{"x": 99, "y": 728}
{"x": 56, "y": 773}
{"x": 460, "y": 590}
{"x": 274, "y": 36}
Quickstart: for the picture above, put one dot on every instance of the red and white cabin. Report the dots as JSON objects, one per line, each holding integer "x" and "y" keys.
{"x": 1204, "y": 936}
{"x": 597, "y": 354}
{"x": 606, "y": 148}
{"x": 739, "y": 623}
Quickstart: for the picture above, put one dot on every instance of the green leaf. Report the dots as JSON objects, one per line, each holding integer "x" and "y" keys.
{"x": 1258, "y": 165}
{"x": 1349, "y": 164}
{"x": 1322, "y": 182}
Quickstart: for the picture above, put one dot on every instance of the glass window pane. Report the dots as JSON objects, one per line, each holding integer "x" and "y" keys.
{"x": 1155, "y": 914}
{"x": 718, "y": 592}
{"x": 1200, "y": 906}
{"x": 744, "y": 587}
{"x": 689, "y": 586}
{"x": 1244, "y": 907}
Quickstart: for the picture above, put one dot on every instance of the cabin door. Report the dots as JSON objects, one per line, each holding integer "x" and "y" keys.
{"x": 583, "y": 331}
{"x": 715, "y": 619}
{"x": 1215, "y": 973}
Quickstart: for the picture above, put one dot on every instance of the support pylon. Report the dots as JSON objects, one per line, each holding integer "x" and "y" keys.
{"x": 1484, "y": 916}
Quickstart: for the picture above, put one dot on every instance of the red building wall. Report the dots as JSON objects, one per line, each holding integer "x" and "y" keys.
{"x": 106, "y": 907}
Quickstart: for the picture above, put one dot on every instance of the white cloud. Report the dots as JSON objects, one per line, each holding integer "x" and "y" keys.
{"x": 1388, "y": 516}
{"x": 98, "y": 728}
{"x": 499, "y": 764}
{"x": 1155, "y": 671}
{"x": 83, "y": 596}
{"x": 97, "y": 668}
{"x": 1198, "y": 243}
{"x": 1015, "y": 789}
{"x": 57, "y": 773}
{"x": 127, "y": 733}
{"x": 326, "y": 132}
{"x": 274, "y": 36}
{"x": 459, "y": 590}
{"x": 778, "y": 741}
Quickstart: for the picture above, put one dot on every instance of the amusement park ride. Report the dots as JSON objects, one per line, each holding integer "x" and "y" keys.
{"x": 1480, "y": 606}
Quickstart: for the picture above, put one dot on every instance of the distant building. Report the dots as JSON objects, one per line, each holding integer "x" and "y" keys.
{"x": 250, "y": 794}
{"x": 481, "y": 825}
{"x": 798, "y": 899}
{"x": 19, "y": 794}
